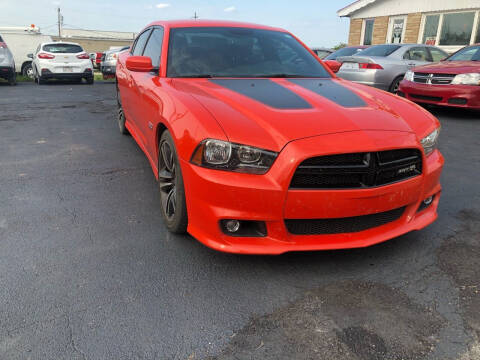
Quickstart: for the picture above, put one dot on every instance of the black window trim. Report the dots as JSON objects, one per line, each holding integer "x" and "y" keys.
{"x": 132, "y": 49}
{"x": 430, "y": 53}
{"x": 156, "y": 68}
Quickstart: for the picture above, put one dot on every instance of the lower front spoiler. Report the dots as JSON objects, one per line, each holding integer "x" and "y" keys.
{"x": 411, "y": 220}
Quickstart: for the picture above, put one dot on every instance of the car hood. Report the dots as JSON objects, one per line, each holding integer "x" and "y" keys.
{"x": 450, "y": 67}
{"x": 269, "y": 113}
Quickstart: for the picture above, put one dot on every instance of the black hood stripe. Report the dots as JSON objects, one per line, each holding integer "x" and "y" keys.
{"x": 332, "y": 91}
{"x": 265, "y": 91}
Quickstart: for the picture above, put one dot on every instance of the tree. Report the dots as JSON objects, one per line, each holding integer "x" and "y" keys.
{"x": 339, "y": 46}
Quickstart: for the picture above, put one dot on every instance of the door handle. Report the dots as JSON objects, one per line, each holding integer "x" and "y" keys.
{"x": 411, "y": 64}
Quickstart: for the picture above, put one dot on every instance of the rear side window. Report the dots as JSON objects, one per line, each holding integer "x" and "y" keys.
{"x": 417, "y": 54}
{"x": 154, "y": 47}
{"x": 380, "y": 50}
{"x": 140, "y": 43}
{"x": 62, "y": 48}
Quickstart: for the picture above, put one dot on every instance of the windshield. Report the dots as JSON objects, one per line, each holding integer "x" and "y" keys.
{"x": 467, "y": 54}
{"x": 238, "y": 52}
{"x": 62, "y": 48}
{"x": 348, "y": 51}
{"x": 379, "y": 50}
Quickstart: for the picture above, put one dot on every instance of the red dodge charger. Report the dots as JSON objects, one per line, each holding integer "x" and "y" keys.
{"x": 259, "y": 148}
{"x": 453, "y": 82}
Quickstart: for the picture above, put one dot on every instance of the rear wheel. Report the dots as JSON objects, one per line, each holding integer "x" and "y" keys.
{"x": 12, "y": 80}
{"x": 89, "y": 81}
{"x": 170, "y": 182}
{"x": 28, "y": 71}
{"x": 41, "y": 81}
{"x": 395, "y": 84}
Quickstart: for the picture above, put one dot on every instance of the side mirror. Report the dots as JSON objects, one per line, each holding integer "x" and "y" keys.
{"x": 30, "y": 56}
{"x": 333, "y": 65}
{"x": 139, "y": 63}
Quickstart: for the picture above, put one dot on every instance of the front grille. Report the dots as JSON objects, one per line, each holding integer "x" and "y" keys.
{"x": 425, "y": 97}
{"x": 433, "y": 79}
{"x": 342, "y": 225}
{"x": 357, "y": 170}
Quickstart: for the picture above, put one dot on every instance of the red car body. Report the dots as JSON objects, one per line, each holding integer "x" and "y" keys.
{"x": 432, "y": 85}
{"x": 195, "y": 109}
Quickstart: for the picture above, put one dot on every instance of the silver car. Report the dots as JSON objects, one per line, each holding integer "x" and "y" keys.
{"x": 383, "y": 66}
{"x": 7, "y": 64}
{"x": 108, "y": 65}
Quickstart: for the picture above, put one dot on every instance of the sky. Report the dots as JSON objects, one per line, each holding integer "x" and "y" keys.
{"x": 314, "y": 21}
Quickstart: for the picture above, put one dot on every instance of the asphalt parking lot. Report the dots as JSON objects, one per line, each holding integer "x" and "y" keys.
{"x": 88, "y": 271}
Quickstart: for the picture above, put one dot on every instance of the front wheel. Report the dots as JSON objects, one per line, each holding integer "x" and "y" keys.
{"x": 170, "y": 182}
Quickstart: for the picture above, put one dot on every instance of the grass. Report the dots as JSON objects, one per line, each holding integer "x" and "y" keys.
{"x": 21, "y": 78}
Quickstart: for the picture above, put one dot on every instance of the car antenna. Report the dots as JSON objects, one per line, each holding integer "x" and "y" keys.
{"x": 195, "y": 16}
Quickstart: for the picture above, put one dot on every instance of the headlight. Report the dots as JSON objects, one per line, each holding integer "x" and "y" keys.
{"x": 429, "y": 142}
{"x": 467, "y": 79}
{"x": 224, "y": 155}
{"x": 409, "y": 75}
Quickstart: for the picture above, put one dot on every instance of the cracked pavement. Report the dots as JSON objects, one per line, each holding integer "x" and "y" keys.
{"x": 88, "y": 271}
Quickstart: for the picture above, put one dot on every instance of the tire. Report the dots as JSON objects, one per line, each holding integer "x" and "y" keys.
{"x": 90, "y": 81}
{"x": 171, "y": 186}
{"x": 395, "y": 84}
{"x": 28, "y": 71}
{"x": 121, "y": 116}
{"x": 41, "y": 81}
{"x": 12, "y": 80}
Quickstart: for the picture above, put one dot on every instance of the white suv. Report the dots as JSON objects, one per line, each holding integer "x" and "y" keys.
{"x": 61, "y": 60}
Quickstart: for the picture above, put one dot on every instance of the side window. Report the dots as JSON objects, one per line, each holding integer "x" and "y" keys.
{"x": 154, "y": 47}
{"x": 140, "y": 43}
{"x": 417, "y": 54}
{"x": 437, "y": 54}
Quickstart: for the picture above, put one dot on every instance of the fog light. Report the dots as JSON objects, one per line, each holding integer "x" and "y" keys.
{"x": 428, "y": 200}
{"x": 232, "y": 225}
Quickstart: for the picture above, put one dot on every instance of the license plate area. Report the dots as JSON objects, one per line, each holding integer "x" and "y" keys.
{"x": 67, "y": 69}
{"x": 350, "y": 66}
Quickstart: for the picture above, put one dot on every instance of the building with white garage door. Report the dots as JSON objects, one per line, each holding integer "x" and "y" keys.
{"x": 449, "y": 24}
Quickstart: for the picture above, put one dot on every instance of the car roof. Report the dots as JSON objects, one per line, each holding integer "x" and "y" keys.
{"x": 210, "y": 23}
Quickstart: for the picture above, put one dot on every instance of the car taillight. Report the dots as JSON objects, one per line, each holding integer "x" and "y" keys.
{"x": 46, "y": 56}
{"x": 3, "y": 45}
{"x": 370, "y": 66}
{"x": 83, "y": 56}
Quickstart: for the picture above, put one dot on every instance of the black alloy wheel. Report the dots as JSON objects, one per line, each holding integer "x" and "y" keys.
{"x": 170, "y": 182}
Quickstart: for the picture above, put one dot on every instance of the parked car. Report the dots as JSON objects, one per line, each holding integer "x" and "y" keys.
{"x": 384, "y": 66}
{"x": 346, "y": 51}
{"x": 322, "y": 52}
{"x": 21, "y": 42}
{"x": 109, "y": 62}
{"x": 252, "y": 140}
{"x": 452, "y": 82}
{"x": 61, "y": 60}
{"x": 7, "y": 64}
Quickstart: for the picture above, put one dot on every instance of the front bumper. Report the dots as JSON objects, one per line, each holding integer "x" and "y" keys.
{"x": 463, "y": 96}
{"x": 215, "y": 195}
{"x": 6, "y": 72}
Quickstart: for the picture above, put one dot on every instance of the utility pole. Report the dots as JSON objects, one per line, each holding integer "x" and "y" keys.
{"x": 195, "y": 16}
{"x": 60, "y": 22}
